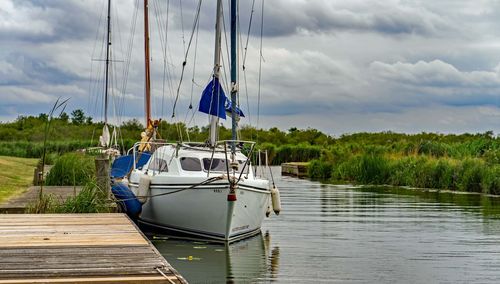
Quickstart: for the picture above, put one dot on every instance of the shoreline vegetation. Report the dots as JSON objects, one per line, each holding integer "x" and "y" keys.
{"x": 465, "y": 162}
{"x": 16, "y": 176}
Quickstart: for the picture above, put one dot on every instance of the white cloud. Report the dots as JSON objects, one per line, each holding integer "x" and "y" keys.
{"x": 25, "y": 96}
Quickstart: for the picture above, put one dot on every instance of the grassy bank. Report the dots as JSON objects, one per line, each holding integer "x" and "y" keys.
{"x": 469, "y": 174}
{"x": 16, "y": 175}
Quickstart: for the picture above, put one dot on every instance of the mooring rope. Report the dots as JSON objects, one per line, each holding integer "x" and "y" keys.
{"x": 164, "y": 275}
{"x": 207, "y": 181}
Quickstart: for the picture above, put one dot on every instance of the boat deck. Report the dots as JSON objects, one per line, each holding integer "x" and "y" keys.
{"x": 78, "y": 248}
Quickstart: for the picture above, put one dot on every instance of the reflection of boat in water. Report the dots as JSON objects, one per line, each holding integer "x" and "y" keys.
{"x": 203, "y": 262}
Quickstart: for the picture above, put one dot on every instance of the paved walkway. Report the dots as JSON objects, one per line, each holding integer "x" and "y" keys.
{"x": 19, "y": 203}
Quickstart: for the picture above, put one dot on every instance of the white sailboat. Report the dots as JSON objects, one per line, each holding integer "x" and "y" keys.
{"x": 209, "y": 189}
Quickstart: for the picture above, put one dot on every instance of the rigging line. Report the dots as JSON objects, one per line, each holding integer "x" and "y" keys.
{"x": 117, "y": 97}
{"x": 99, "y": 80}
{"x": 93, "y": 53}
{"x": 190, "y": 108}
{"x": 227, "y": 51}
{"x": 260, "y": 69}
{"x": 159, "y": 20}
{"x": 245, "y": 50}
{"x": 128, "y": 55}
{"x": 182, "y": 26}
{"x": 168, "y": 58}
{"x": 164, "y": 63}
{"x": 197, "y": 16}
{"x": 248, "y": 34}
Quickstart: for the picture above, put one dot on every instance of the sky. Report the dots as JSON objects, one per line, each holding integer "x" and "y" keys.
{"x": 337, "y": 66}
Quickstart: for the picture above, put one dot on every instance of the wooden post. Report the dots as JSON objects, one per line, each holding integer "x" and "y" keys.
{"x": 102, "y": 174}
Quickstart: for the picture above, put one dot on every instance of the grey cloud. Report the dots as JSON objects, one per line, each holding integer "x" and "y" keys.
{"x": 289, "y": 17}
{"x": 434, "y": 74}
{"x": 424, "y": 83}
{"x": 47, "y": 21}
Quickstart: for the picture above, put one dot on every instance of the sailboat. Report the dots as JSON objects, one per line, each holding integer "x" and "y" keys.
{"x": 107, "y": 145}
{"x": 207, "y": 190}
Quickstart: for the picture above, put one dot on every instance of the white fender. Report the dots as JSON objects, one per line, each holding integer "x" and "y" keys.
{"x": 275, "y": 196}
{"x": 269, "y": 205}
{"x": 143, "y": 189}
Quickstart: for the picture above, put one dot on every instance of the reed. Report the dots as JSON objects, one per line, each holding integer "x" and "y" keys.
{"x": 91, "y": 199}
{"x": 71, "y": 169}
{"x": 470, "y": 174}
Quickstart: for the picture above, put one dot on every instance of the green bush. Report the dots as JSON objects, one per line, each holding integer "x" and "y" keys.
{"x": 320, "y": 169}
{"x": 491, "y": 180}
{"x": 71, "y": 169}
{"x": 470, "y": 175}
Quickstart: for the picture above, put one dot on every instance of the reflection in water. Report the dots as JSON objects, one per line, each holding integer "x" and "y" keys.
{"x": 340, "y": 234}
{"x": 204, "y": 262}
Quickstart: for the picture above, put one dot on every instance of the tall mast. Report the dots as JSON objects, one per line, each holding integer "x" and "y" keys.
{"x": 214, "y": 120}
{"x": 108, "y": 43}
{"x": 147, "y": 101}
{"x": 234, "y": 83}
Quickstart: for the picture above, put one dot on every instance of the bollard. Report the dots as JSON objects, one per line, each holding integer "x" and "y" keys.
{"x": 102, "y": 175}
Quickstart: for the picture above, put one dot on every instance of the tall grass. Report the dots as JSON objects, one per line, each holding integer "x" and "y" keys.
{"x": 91, "y": 199}
{"x": 470, "y": 174}
{"x": 71, "y": 169}
{"x": 291, "y": 153}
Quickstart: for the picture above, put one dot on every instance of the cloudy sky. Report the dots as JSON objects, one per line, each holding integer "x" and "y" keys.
{"x": 339, "y": 66}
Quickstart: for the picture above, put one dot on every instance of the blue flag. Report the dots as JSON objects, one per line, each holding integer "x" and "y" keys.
{"x": 229, "y": 110}
{"x": 213, "y": 99}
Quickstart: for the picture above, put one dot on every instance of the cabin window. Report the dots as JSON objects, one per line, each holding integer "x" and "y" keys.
{"x": 190, "y": 164}
{"x": 218, "y": 165}
{"x": 158, "y": 164}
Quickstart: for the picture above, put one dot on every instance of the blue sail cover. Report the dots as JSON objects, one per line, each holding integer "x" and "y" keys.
{"x": 214, "y": 101}
{"x": 228, "y": 108}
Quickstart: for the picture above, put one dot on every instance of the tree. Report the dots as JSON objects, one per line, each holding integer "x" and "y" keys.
{"x": 43, "y": 116}
{"x": 64, "y": 117}
{"x": 77, "y": 116}
{"x": 88, "y": 120}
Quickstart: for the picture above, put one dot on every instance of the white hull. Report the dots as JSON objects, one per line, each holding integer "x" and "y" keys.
{"x": 204, "y": 210}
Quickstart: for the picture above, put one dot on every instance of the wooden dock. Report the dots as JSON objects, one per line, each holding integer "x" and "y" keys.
{"x": 296, "y": 169}
{"x": 78, "y": 248}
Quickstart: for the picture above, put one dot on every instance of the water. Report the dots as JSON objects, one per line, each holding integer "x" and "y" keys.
{"x": 341, "y": 234}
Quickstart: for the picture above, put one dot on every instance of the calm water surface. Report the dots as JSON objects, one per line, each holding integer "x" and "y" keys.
{"x": 341, "y": 234}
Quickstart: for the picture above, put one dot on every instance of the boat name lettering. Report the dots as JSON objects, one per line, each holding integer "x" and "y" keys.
{"x": 240, "y": 228}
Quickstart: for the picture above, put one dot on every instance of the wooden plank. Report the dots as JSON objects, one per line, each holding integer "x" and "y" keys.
{"x": 131, "y": 279}
{"x": 79, "y": 248}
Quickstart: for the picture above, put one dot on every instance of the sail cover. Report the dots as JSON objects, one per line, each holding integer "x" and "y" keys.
{"x": 214, "y": 101}
{"x": 228, "y": 108}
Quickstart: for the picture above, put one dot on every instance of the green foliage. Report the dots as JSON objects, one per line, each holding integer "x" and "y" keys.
{"x": 320, "y": 169}
{"x": 78, "y": 116}
{"x": 91, "y": 199}
{"x": 470, "y": 175}
{"x": 47, "y": 203}
{"x": 466, "y": 162}
{"x": 71, "y": 169}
